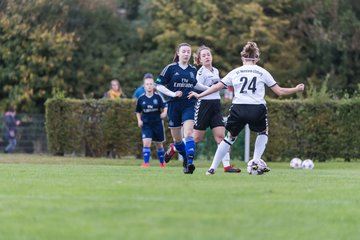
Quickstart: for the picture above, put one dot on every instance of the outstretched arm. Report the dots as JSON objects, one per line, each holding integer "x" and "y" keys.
{"x": 201, "y": 87}
{"x": 212, "y": 89}
{"x": 280, "y": 91}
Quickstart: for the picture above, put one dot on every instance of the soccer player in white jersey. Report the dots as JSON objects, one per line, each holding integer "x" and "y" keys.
{"x": 208, "y": 109}
{"x": 248, "y": 105}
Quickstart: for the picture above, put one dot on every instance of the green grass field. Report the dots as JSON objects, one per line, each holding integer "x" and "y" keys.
{"x": 43, "y": 197}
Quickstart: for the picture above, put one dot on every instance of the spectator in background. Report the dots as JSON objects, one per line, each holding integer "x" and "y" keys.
{"x": 115, "y": 91}
{"x": 10, "y": 124}
{"x": 150, "y": 112}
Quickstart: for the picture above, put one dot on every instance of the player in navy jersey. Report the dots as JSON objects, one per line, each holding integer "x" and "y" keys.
{"x": 248, "y": 105}
{"x": 150, "y": 112}
{"x": 176, "y": 81}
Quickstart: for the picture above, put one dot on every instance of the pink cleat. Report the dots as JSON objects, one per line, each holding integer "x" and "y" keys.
{"x": 145, "y": 165}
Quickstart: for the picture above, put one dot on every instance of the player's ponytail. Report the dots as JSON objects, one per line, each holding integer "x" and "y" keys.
{"x": 250, "y": 51}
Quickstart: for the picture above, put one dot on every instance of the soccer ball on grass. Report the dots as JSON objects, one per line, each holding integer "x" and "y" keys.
{"x": 307, "y": 164}
{"x": 257, "y": 167}
{"x": 296, "y": 163}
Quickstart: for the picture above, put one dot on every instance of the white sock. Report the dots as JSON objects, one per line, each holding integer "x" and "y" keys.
{"x": 226, "y": 159}
{"x": 221, "y": 151}
{"x": 260, "y": 145}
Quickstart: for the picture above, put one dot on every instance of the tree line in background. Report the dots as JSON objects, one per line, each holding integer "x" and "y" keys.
{"x": 74, "y": 48}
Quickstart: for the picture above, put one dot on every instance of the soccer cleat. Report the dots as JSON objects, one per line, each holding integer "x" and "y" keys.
{"x": 265, "y": 169}
{"x": 162, "y": 165}
{"x": 145, "y": 165}
{"x": 261, "y": 171}
{"x": 189, "y": 169}
{"x": 170, "y": 152}
{"x": 211, "y": 171}
{"x": 231, "y": 169}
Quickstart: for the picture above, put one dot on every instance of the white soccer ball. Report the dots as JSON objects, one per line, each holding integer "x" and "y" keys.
{"x": 307, "y": 164}
{"x": 255, "y": 167}
{"x": 296, "y": 163}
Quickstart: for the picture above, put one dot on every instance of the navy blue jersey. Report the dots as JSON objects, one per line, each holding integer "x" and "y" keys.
{"x": 175, "y": 78}
{"x": 150, "y": 107}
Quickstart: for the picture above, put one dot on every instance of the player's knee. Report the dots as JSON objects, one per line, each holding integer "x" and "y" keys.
{"x": 198, "y": 139}
{"x": 218, "y": 139}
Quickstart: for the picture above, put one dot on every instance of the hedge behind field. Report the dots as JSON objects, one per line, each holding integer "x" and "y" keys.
{"x": 316, "y": 130}
{"x": 92, "y": 127}
{"x": 302, "y": 128}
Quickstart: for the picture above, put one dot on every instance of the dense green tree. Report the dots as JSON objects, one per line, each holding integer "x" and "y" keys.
{"x": 32, "y": 57}
{"x": 226, "y": 26}
{"x": 104, "y": 41}
{"x": 329, "y": 31}
{"x": 73, "y": 47}
{"x": 77, "y": 46}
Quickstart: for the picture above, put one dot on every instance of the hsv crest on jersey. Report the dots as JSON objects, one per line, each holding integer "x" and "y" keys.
{"x": 192, "y": 75}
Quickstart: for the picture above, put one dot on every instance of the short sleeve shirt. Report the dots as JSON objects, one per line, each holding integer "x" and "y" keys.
{"x": 150, "y": 107}
{"x": 208, "y": 78}
{"x": 176, "y": 78}
{"x": 249, "y": 83}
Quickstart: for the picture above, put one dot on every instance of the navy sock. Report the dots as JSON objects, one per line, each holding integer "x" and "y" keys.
{"x": 146, "y": 154}
{"x": 190, "y": 149}
{"x": 161, "y": 153}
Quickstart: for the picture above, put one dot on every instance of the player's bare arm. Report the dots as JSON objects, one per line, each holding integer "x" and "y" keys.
{"x": 163, "y": 114}
{"x": 212, "y": 89}
{"x": 280, "y": 91}
{"x": 140, "y": 122}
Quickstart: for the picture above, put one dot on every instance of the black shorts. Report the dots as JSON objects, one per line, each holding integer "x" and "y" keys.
{"x": 242, "y": 114}
{"x": 208, "y": 114}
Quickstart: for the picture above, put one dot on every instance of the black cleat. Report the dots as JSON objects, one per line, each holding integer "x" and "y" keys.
{"x": 189, "y": 169}
{"x": 211, "y": 171}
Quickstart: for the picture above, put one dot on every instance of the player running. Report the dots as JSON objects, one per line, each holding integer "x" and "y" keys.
{"x": 176, "y": 81}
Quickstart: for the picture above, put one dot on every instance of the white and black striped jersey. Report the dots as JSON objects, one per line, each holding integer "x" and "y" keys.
{"x": 208, "y": 78}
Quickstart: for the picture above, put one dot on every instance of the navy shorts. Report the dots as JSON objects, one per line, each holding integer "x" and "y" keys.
{"x": 208, "y": 114}
{"x": 154, "y": 130}
{"x": 242, "y": 114}
{"x": 179, "y": 112}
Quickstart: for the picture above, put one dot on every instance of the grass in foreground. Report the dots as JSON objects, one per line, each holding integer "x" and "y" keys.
{"x": 45, "y": 197}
